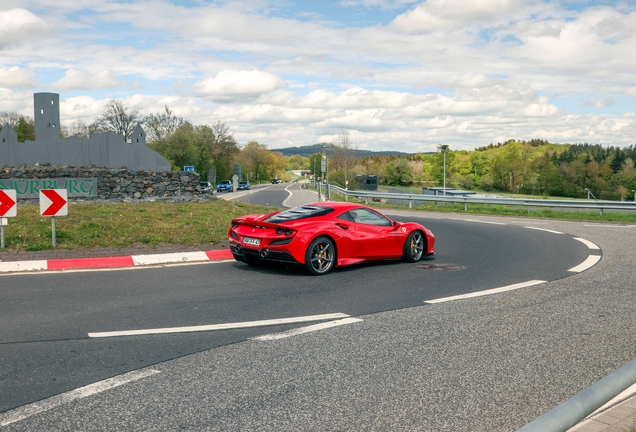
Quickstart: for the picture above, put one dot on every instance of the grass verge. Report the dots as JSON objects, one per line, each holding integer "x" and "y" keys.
{"x": 124, "y": 225}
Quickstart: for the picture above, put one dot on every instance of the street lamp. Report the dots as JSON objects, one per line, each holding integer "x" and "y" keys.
{"x": 443, "y": 148}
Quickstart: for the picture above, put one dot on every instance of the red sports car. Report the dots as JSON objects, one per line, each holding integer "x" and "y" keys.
{"x": 323, "y": 235}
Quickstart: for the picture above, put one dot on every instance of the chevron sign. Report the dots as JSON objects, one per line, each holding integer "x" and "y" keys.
{"x": 53, "y": 202}
{"x": 8, "y": 207}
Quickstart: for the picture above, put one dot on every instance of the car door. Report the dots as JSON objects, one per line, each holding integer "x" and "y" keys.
{"x": 347, "y": 240}
{"x": 376, "y": 235}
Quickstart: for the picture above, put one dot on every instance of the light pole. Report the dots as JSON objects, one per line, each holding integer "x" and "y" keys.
{"x": 634, "y": 192}
{"x": 323, "y": 169}
{"x": 443, "y": 148}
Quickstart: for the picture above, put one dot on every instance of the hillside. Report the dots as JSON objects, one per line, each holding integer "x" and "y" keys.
{"x": 305, "y": 151}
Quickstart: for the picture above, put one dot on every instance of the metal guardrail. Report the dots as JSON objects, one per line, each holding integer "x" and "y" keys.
{"x": 578, "y": 407}
{"x": 466, "y": 200}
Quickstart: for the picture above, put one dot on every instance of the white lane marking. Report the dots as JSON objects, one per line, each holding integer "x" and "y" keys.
{"x": 228, "y": 326}
{"x": 23, "y": 266}
{"x": 587, "y": 243}
{"x": 589, "y": 262}
{"x": 487, "y": 292}
{"x": 291, "y": 194}
{"x": 543, "y": 229}
{"x": 481, "y": 221}
{"x": 169, "y": 258}
{"x": 29, "y": 410}
{"x": 307, "y": 329}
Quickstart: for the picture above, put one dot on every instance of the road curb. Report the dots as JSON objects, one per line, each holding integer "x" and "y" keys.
{"x": 114, "y": 261}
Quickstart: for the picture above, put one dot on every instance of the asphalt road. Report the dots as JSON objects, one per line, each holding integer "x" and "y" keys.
{"x": 489, "y": 363}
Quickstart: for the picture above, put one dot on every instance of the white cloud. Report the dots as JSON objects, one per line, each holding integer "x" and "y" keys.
{"x": 18, "y": 24}
{"x": 75, "y": 79}
{"x": 450, "y": 15}
{"x": 597, "y": 103}
{"x": 232, "y": 85}
{"x": 466, "y": 73}
{"x": 15, "y": 77}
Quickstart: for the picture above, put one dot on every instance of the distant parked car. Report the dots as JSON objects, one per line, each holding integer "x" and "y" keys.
{"x": 243, "y": 185}
{"x": 225, "y": 186}
{"x": 276, "y": 181}
{"x": 205, "y": 187}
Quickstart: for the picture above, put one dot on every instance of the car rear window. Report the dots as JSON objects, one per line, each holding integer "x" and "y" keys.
{"x": 300, "y": 212}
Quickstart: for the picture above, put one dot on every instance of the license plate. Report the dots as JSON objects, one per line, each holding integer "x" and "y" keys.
{"x": 251, "y": 241}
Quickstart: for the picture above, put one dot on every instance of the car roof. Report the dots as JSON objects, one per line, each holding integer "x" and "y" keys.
{"x": 336, "y": 205}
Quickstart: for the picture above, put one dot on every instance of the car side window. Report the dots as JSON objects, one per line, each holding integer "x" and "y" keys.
{"x": 369, "y": 217}
{"x": 346, "y": 216}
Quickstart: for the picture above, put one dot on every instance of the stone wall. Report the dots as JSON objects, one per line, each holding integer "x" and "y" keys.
{"x": 118, "y": 184}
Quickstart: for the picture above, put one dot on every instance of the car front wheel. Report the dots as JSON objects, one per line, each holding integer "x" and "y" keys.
{"x": 320, "y": 257}
{"x": 413, "y": 247}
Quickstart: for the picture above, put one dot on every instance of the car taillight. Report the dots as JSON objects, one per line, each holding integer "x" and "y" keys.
{"x": 288, "y": 232}
{"x": 235, "y": 224}
{"x": 279, "y": 231}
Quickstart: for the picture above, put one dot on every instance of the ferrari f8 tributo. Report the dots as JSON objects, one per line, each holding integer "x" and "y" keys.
{"x": 323, "y": 235}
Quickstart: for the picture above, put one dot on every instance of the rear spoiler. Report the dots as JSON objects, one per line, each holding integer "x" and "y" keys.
{"x": 257, "y": 224}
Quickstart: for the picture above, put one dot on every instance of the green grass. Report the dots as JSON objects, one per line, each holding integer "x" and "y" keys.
{"x": 123, "y": 225}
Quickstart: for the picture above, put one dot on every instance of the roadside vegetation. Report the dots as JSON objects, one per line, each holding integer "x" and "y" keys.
{"x": 125, "y": 225}
{"x": 501, "y": 210}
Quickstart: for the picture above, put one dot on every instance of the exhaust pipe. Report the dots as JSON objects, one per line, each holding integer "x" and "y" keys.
{"x": 264, "y": 253}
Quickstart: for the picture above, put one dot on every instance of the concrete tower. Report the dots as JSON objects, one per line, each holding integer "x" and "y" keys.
{"x": 47, "y": 116}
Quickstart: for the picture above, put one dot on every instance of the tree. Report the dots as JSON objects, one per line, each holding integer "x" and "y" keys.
{"x": 223, "y": 149}
{"x": 77, "y": 128}
{"x": 344, "y": 158}
{"x": 161, "y": 125}
{"x": 179, "y": 148}
{"x": 9, "y": 117}
{"x": 398, "y": 172}
{"x": 256, "y": 159}
{"x": 25, "y": 129}
{"x": 116, "y": 118}
{"x": 297, "y": 162}
{"x": 437, "y": 169}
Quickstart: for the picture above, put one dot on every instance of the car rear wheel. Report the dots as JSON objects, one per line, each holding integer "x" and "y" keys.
{"x": 413, "y": 247}
{"x": 320, "y": 257}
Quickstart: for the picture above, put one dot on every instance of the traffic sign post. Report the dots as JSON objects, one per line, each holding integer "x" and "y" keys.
{"x": 3, "y": 222}
{"x": 53, "y": 202}
{"x": 8, "y": 208}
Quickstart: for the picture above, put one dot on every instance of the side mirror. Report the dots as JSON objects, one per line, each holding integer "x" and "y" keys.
{"x": 396, "y": 224}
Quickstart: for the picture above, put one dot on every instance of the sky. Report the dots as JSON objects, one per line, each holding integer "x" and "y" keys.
{"x": 394, "y": 75}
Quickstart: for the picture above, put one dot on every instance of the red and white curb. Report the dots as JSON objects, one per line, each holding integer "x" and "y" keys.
{"x": 115, "y": 261}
